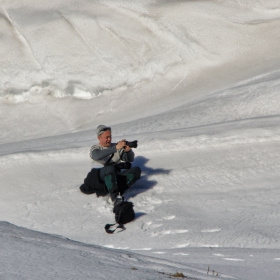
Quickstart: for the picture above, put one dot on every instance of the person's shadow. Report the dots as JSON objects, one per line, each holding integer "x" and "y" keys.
{"x": 144, "y": 184}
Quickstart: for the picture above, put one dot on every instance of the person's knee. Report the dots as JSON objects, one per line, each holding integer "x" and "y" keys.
{"x": 137, "y": 171}
{"x": 133, "y": 175}
{"x": 104, "y": 171}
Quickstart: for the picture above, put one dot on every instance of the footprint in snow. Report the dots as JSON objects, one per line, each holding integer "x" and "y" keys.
{"x": 211, "y": 230}
{"x": 104, "y": 209}
{"x": 234, "y": 260}
{"x": 182, "y": 245}
{"x": 150, "y": 224}
{"x": 115, "y": 247}
{"x": 149, "y": 202}
{"x": 180, "y": 254}
{"x": 155, "y": 225}
{"x": 169, "y": 217}
{"x": 166, "y": 232}
{"x": 218, "y": 255}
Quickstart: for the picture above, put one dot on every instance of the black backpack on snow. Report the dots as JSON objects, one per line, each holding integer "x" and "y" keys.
{"x": 124, "y": 213}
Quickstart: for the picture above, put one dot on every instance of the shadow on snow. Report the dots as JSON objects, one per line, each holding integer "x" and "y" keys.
{"x": 144, "y": 184}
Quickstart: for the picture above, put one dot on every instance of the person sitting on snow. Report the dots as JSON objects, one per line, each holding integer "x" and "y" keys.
{"x": 116, "y": 159}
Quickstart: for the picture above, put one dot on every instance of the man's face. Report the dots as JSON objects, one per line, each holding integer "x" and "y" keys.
{"x": 105, "y": 138}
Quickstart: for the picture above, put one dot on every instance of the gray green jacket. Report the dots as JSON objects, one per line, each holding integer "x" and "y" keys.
{"x": 101, "y": 154}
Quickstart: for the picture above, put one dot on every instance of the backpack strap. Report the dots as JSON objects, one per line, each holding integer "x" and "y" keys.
{"x": 108, "y": 230}
{"x": 107, "y": 227}
{"x": 109, "y": 159}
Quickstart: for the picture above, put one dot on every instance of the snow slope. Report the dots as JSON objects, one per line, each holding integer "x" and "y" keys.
{"x": 195, "y": 82}
{"x": 35, "y": 253}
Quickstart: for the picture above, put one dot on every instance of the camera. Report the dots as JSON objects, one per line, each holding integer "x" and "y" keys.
{"x": 132, "y": 144}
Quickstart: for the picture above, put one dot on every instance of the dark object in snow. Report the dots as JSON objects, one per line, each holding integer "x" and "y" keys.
{"x": 124, "y": 214}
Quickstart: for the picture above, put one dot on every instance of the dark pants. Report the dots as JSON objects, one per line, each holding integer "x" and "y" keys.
{"x": 117, "y": 181}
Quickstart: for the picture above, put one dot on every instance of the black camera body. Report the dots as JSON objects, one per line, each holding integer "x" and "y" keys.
{"x": 132, "y": 144}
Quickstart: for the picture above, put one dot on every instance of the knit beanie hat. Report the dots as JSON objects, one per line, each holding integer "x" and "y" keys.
{"x": 102, "y": 128}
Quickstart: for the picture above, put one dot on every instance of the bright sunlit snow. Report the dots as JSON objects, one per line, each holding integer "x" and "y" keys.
{"x": 196, "y": 83}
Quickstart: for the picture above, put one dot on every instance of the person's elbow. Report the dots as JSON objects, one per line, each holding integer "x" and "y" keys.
{"x": 96, "y": 156}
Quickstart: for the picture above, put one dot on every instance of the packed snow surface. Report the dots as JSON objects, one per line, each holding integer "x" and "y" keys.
{"x": 196, "y": 83}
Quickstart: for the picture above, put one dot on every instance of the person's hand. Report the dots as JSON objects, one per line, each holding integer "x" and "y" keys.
{"x": 126, "y": 148}
{"x": 121, "y": 144}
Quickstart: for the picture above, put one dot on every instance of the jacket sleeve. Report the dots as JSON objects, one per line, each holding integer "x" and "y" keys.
{"x": 98, "y": 154}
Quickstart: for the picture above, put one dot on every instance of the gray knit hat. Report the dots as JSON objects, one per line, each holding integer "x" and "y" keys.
{"x": 102, "y": 128}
